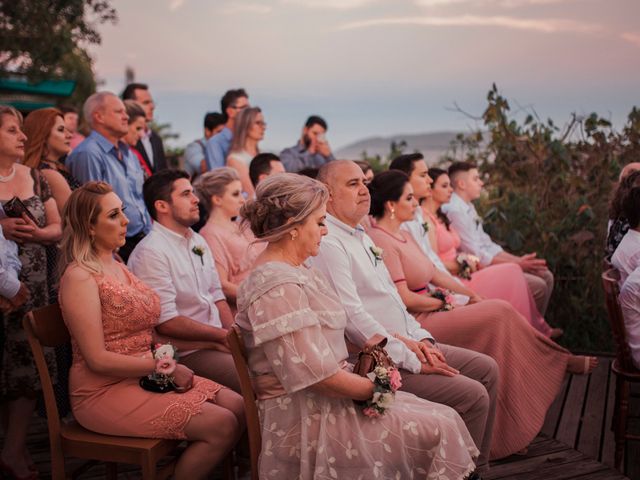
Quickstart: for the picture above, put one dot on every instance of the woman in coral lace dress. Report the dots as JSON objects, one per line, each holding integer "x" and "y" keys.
{"x": 111, "y": 317}
{"x": 532, "y": 366}
{"x": 505, "y": 281}
{"x": 293, "y": 326}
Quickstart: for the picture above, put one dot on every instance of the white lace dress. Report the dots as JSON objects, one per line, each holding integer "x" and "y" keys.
{"x": 293, "y": 327}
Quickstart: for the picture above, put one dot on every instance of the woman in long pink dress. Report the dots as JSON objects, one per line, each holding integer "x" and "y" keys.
{"x": 532, "y": 366}
{"x": 293, "y": 324}
{"x": 111, "y": 317}
{"x": 234, "y": 248}
{"x": 505, "y": 281}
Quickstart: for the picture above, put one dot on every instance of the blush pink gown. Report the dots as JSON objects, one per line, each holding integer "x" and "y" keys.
{"x": 504, "y": 281}
{"x": 119, "y": 406}
{"x": 233, "y": 251}
{"x": 293, "y": 326}
{"x": 532, "y": 366}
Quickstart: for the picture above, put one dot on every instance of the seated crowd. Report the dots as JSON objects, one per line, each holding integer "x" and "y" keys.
{"x": 310, "y": 270}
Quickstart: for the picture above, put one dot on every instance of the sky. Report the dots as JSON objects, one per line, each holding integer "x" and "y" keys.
{"x": 375, "y": 67}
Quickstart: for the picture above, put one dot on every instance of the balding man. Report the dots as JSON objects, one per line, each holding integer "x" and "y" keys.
{"x": 459, "y": 378}
{"x": 102, "y": 156}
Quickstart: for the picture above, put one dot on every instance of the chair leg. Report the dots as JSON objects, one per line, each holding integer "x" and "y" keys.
{"x": 57, "y": 468}
{"x": 148, "y": 465}
{"x": 111, "y": 470}
{"x": 621, "y": 413}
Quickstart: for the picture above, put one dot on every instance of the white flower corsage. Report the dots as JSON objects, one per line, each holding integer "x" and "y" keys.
{"x": 199, "y": 251}
{"x": 377, "y": 253}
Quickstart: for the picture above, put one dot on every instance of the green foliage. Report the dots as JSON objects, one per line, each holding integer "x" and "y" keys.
{"x": 38, "y": 37}
{"x": 378, "y": 164}
{"x": 547, "y": 192}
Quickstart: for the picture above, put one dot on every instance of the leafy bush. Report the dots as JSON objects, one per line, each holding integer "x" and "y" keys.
{"x": 547, "y": 191}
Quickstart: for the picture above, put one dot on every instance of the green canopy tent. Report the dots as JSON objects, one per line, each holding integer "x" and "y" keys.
{"x": 25, "y": 96}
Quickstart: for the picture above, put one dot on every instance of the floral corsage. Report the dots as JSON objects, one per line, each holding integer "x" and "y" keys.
{"x": 161, "y": 380}
{"x": 377, "y": 253}
{"x": 425, "y": 227}
{"x": 465, "y": 268}
{"x": 386, "y": 381}
{"x": 445, "y": 296}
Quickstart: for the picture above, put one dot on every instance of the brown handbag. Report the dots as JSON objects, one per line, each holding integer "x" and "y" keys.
{"x": 372, "y": 355}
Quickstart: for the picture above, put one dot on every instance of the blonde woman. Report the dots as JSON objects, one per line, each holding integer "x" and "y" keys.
{"x": 111, "y": 316}
{"x": 234, "y": 248}
{"x": 248, "y": 131}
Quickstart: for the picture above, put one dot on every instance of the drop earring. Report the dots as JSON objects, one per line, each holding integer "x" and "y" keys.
{"x": 393, "y": 213}
{"x": 294, "y": 235}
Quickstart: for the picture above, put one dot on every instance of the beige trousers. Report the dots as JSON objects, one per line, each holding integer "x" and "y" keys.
{"x": 541, "y": 286}
{"x": 214, "y": 365}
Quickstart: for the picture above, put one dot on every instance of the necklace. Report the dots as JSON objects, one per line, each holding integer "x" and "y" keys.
{"x": 9, "y": 177}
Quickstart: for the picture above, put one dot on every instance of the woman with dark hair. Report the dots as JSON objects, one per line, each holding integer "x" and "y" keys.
{"x": 248, "y": 131}
{"x": 48, "y": 141}
{"x": 137, "y": 125}
{"x": 626, "y": 257}
{"x": 33, "y": 222}
{"x": 293, "y": 326}
{"x": 618, "y": 224}
{"x": 504, "y": 281}
{"x": 532, "y": 367}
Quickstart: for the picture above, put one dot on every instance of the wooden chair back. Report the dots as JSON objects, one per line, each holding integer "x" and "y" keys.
{"x": 239, "y": 353}
{"x": 610, "y": 280}
{"x": 45, "y": 327}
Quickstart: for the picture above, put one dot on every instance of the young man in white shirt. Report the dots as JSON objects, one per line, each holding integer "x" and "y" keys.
{"x": 467, "y": 185}
{"x": 176, "y": 262}
{"x": 460, "y": 378}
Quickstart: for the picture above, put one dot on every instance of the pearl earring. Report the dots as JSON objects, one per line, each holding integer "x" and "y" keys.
{"x": 393, "y": 213}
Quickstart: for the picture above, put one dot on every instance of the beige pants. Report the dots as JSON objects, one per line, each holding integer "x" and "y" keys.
{"x": 472, "y": 393}
{"x": 541, "y": 286}
{"x": 214, "y": 365}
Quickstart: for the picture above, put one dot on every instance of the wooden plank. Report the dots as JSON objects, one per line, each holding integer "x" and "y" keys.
{"x": 608, "y": 443}
{"x": 569, "y": 424}
{"x": 591, "y": 434}
{"x": 632, "y": 452}
{"x": 533, "y": 464}
{"x": 555, "y": 411}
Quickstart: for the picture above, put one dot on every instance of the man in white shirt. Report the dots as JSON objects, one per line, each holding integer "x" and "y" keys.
{"x": 176, "y": 262}
{"x": 467, "y": 185}
{"x": 630, "y": 305}
{"x": 462, "y": 379}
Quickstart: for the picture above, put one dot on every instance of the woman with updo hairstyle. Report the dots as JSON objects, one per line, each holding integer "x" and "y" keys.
{"x": 234, "y": 248}
{"x": 532, "y": 367}
{"x": 504, "y": 281}
{"x": 111, "y": 317}
{"x": 48, "y": 142}
{"x": 626, "y": 257}
{"x": 293, "y": 324}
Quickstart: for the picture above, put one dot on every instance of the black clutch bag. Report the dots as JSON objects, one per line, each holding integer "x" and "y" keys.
{"x": 14, "y": 208}
{"x": 152, "y": 384}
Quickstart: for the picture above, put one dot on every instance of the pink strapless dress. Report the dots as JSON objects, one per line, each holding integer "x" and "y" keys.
{"x": 504, "y": 281}
{"x": 119, "y": 406}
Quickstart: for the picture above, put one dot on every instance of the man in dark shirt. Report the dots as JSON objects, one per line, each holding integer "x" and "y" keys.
{"x": 312, "y": 150}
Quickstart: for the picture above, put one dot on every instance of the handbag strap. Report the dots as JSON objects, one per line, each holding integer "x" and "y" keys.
{"x": 376, "y": 341}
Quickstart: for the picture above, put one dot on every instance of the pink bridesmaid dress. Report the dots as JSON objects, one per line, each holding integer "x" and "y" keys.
{"x": 504, "y": 281}
{"x": 118, "y": 405}
{"x": 531, "y": 365}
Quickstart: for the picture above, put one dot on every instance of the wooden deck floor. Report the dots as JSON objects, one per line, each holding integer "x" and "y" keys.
{"x": 575, "y": 442}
